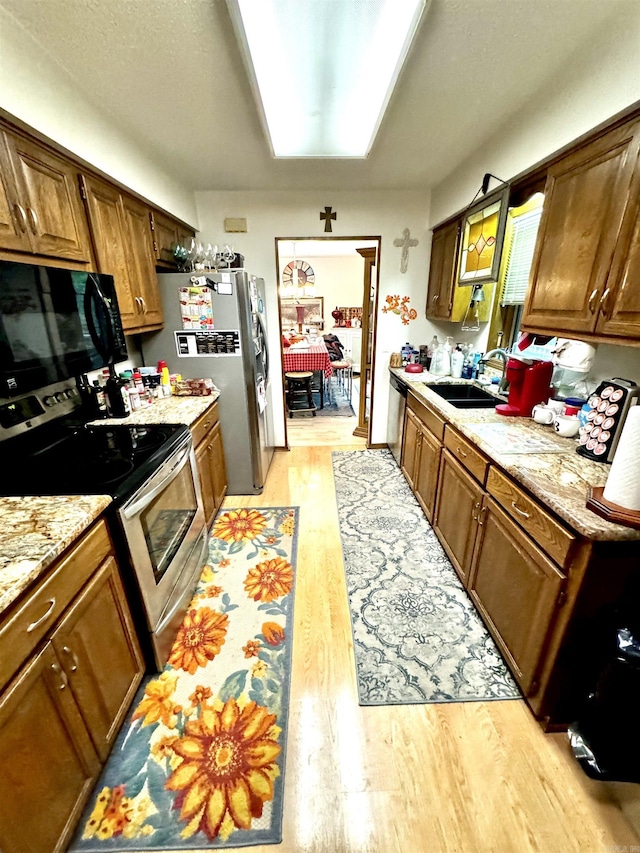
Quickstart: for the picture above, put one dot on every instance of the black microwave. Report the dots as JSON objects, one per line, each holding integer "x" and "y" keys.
{"x": 55, "y": 324}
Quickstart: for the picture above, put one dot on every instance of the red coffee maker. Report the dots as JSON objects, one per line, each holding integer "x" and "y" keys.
{"x": 529, "y": 384}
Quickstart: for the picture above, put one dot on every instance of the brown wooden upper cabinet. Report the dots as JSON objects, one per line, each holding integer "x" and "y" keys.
{"x": 123, "y": 247}
{"x": 584, "y": 275}
{"x": 167, "y": 232}
{"x": 40, "y": 206}
{"x": 442, "y": 270}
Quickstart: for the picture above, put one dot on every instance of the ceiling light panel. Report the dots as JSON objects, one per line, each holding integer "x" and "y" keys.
{"x": 324, "y": 70}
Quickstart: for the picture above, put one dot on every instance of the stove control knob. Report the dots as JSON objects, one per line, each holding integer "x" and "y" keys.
{"x": 49, "y": 401}
{"x": 71, "y": 392}
{"x": 60, "y": 396}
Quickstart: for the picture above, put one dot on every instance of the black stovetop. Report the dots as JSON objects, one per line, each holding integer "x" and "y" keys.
{"x": 68, "y": 457}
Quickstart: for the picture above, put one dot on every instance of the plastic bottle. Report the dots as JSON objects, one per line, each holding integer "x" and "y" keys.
{"x": 457, "y": 361}
{"x": 440, "y": 363}
{"x": 405, "y": 352}
{"x": 137, "y": 381}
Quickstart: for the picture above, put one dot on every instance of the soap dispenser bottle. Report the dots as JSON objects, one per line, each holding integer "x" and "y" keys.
{"x": 457, "y": 361}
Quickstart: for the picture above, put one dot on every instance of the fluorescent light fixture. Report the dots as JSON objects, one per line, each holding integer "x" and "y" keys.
{"x": 324, "y": 70}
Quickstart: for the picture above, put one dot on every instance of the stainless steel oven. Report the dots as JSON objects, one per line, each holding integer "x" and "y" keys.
{"x": 156, "y": 516}
{"x": 164, "y": 527}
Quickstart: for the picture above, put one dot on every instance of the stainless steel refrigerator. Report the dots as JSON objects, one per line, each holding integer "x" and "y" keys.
{"x": 232, "y": 351}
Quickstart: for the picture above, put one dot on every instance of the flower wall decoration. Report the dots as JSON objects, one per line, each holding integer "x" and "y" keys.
{"x": 397, "y": 305}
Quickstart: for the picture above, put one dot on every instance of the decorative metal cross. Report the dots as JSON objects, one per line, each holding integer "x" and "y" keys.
{"x": 328, "y": 216}
{"x": 405, "y": 242}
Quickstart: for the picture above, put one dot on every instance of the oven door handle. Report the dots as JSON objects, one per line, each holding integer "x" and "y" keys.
{"x": 148, "y": 497}
{"x": 186, "y": 585}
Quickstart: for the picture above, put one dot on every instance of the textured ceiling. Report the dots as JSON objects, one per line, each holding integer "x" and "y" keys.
{"x": 170, "y": 75}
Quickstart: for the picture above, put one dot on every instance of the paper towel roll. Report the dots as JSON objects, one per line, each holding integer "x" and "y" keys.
{"x": 623, "y": 484}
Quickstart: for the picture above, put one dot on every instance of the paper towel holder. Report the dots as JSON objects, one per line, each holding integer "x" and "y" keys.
{"x": 597, "y": 503}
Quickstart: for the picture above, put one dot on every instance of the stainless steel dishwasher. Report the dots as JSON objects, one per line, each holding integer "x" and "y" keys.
{"x": 395, "y": 420}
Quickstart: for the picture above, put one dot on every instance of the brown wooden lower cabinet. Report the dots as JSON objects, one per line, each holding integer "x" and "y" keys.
{"x": 458, "y": 502}
{"x": 60, "y": 713}
{"x": 545, "y": 593}
{"x": 517, "y": 590}
{"x": 209, "y": 452}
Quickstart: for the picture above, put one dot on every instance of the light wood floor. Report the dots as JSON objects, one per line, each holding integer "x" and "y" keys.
{"x": 473, "y": 777}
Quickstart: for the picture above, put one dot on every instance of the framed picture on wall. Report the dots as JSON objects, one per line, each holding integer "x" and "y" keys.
{"x": 482, "y": 237}
{"x": 310, "y": 309}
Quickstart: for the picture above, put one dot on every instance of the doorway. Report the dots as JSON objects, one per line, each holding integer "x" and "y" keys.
{"x": 314, "y": 274}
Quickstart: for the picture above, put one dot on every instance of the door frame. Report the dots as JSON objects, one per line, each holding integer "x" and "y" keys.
{"x": 377, "y": 239}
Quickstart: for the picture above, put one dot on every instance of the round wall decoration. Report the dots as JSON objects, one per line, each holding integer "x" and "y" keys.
{"x": 306, "y": 274}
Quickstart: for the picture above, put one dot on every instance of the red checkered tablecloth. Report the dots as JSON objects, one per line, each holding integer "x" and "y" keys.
{"x": 315, "y": 357}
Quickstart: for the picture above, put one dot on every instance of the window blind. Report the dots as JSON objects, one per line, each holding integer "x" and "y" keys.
{"x": 523, "y": 241}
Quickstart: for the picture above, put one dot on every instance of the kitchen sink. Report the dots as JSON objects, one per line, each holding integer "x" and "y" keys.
{"x": 465, "y": 396}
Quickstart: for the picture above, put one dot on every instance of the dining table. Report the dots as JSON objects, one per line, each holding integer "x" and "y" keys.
{"x": 309, "y": 354}
{"x": 312, "y": 354}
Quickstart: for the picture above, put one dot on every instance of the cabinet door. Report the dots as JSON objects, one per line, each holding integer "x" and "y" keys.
{"x": 442, "y": 271}
{"x": 516, "y": 588}
{"x": 218, "y": 466}
{"x": 426, "y": 475}
{"x": 48, "y": 761}
{"x": 203, "y": 462}
{"x": 98, "y": 649}
{"x": 106, "y": 216}
{"x": 458, "y": 502}
{"x": 410, "y": 441}
{"x": 13, "y": 217}
{"x": 585, "y": 197}
{"x": 620, "y": 305}
{"x": 142, "y": 267}
{"x": 55, "y": 216}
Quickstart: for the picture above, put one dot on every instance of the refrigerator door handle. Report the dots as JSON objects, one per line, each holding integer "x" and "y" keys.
{"x": 265, "y": 348}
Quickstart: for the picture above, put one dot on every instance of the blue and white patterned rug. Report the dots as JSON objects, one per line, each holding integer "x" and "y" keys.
{"x": 417, "y": 636}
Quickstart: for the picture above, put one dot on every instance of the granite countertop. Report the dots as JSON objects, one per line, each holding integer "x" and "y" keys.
{"x": 167, "y": 410}
{"x": 560, "y": 479}
{"x": 36, "y": 530}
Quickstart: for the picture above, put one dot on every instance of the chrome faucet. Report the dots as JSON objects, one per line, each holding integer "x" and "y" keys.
{"x": 504, "y": 355}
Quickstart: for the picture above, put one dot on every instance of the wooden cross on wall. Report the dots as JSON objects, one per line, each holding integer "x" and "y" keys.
{"x": 328, "y": 216}
{"x": 405, "y": 243}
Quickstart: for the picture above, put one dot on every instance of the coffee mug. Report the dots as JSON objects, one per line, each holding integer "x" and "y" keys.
{"x": 556, "y": 405}
{"x": 566, "y": 425}
{"x": 543, "y": 414}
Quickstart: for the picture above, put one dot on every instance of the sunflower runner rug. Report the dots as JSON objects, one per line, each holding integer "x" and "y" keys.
{"x": 417, "y": 635}
{"x": 200, "y": 762}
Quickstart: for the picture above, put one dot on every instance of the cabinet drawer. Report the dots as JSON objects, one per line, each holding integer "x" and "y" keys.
{"x": 204, "y": 423}
{"x": 20, "y": 632}
{"x": 469, "y": 456}
{"x": 429, "y": 418}
{"x": 543, "y": 529}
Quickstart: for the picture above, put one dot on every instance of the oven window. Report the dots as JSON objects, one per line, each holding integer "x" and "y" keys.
{"x": 166, "y": 521}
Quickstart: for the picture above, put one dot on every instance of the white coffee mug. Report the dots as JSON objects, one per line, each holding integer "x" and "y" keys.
{"x": 566, "y": 425}
{"x": 556, "y": 405}
{"x": 543, "y": 414}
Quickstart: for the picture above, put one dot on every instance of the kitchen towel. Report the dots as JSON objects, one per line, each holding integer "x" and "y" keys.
{"x": 623, "y": 484}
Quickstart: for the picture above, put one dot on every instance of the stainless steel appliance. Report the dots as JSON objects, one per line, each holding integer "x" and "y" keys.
{"x": 55, "y": 324}
{"x": 156, "y": 518}
{"x": 395, "y": 420}
{"x": 234, "y": 354}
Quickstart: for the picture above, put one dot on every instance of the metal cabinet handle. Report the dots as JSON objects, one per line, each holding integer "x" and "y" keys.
{"x": 64, "y": 681}
{"x": 33, "y": 220}
{"x": 73, "y": 656}
{"x": 461, "y": 452}
{"x": 592, "y": 300}
{"x": 144, "y": 305}
{"x": 481, "y": 515}
{"x": 436, "y": 297}
{"x": 604, "y": 299}
{"x": 34, "y": 625}
{"x": 517, "y": 509}
{"x": 474, "y": 516}
{"x": 21, "y": 216}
